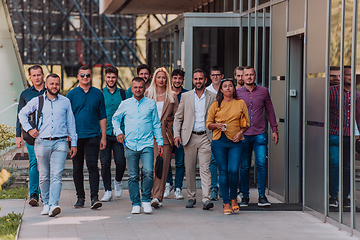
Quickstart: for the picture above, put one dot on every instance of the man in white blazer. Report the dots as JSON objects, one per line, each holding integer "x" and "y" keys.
{"x": 190, "y": 130}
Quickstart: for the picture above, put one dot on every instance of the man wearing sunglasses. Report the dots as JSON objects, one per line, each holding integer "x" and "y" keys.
{"x": 88, "y": 105}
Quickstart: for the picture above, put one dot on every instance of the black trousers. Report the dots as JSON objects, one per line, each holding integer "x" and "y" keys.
{"x": 88, "y": 147}
{"x": 112, "y": 145}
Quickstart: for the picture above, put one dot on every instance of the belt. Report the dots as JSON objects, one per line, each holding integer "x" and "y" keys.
{"x": 54, "y": 138}
{"x": 199, "y": 132}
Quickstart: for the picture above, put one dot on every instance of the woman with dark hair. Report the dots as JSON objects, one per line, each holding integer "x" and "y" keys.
{"x": 228, "y": 118}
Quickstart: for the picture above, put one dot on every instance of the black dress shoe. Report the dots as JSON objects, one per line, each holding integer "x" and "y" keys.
{"x": 34, "y": 200}
{"x": 95, "y": 203}
{"x": 191, "y": 203}
{"x": 80, "y": 203}
{"x": 207, "y": 205}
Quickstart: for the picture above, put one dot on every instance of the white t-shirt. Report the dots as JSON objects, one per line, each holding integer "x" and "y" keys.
{"x": 160, "y": 106}
{"x": 211, "y": 89}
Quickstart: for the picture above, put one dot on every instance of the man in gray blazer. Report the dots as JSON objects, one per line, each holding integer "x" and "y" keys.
{"x": 190, "y": 130}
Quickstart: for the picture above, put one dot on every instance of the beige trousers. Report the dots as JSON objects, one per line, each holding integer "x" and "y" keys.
{"x": 198, "y": 145}
{"x": 159, "y": 184}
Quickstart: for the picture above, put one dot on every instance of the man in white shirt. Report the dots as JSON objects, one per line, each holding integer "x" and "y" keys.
{"x": 216, "y": 74}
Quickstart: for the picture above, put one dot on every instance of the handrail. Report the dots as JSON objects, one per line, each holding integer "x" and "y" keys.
{"x": 14, "y": 104}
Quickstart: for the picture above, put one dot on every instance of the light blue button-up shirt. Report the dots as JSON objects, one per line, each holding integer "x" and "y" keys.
{"x": 57, "y": 118}
{"x": 141, "y": 121}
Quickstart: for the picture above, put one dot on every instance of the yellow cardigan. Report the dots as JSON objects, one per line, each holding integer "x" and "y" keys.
{"x": 234, "y": 114}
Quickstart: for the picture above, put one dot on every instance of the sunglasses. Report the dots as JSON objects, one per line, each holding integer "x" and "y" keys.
{"x": 85, "y": 75}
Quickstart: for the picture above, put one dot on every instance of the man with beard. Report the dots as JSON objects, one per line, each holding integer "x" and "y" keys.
{"x": 142, "y": 123}
{"x": 190, "y": 130}
{"x": 238, "y": 74}
{"x": 37, "y": 78}
{"x": 177, "y": 78}
{"x": 144, "y": 72}
{"x": 113, "y": 97}
{"x": 257, "y": 99}
{"x": 88, "y": 106}
{"x": 56, "y": 121}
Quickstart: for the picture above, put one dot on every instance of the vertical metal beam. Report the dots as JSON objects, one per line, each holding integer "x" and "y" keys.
{"x": 249, "y": 35}
{"x": 327, "y": 107}
{"x": 287, "y": 89}
{"x": 241, "y": 34}
{"x": 256, "y": 42}
{"x": 353, "y": 115}
{"x": 263, "y": 62}
{"x": 341, "y": 116}
{"x": 270, "y": 74}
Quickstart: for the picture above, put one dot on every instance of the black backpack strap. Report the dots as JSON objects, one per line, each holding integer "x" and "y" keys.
{"x": 39, "y": 113}
{"x": 123, "y": 94}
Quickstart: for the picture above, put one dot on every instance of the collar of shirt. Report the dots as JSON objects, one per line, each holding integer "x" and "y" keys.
{"x": 211, "y": 89}
{"x": 202, "y": 96}
{"x": 106, "y": 89}
{"x": 245, "y": 89}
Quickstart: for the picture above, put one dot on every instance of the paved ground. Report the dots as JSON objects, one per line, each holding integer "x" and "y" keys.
{"x": 173, "y": 221}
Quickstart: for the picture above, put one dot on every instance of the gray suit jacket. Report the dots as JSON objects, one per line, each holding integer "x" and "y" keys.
{"x": 185, "y": 115}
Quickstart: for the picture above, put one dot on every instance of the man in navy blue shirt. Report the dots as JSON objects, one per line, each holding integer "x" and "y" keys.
{"x": 88, "y": 105}
{"x": 37, "y": 78}
{"x": 177, "y": 79}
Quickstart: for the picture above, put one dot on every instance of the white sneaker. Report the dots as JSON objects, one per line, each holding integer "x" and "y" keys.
{"x": 45, "y": 210}
{"x": 146, "y": 207}
{"x": 107, "y": 196}
{"x": 239, "y": 198}
{"x": 160, "y": 204}
{"x": 135, "y": 210}
{"x": 54, "y": 210}
{"x": 178, "y": 194}
{"x": 118, "y": 188}
{"x": 155, "y": 203}
{"x": 168, "y": 189}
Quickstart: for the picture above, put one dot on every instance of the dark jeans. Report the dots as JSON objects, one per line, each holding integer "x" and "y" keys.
{"x": 228, "y": 155}
{"x": 112, "y": 145}
{"x": 258, "y": 143}
{"x": 90, "y": 148}
{"x": 179, "y": 168}
{"x": 334, "y": 166}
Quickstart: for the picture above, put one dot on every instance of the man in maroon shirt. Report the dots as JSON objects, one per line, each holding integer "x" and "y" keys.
{"x": 257, "y": 98}
{"x": 334, "y": 130}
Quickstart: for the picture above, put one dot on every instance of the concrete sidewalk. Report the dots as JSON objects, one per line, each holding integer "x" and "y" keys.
{"x": 173, "y": 221}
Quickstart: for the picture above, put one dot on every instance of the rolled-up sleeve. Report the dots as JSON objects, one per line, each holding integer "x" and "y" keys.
{"x": 29, "y": 108}
{"x": 117, "y": 119}
{"x": 157, "y": 126}
{"x": 70, "y": 120}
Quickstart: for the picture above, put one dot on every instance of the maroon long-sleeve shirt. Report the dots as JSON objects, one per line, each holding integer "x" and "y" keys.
{"x": 256, "y": 101}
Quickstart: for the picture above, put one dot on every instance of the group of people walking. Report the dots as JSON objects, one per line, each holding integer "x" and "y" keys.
{"x": 217, "y": 127}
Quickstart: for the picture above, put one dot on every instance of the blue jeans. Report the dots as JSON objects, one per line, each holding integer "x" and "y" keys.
{"x": 179, "y": 168}
{"x": 147, "y": 158}
{"x": 213, "y": 172}
{"x": 228, "y": 156}
{"x": 33, "y": 171}
{"x": 334, "y": 166}
{"x": 112, "y": 145}
{"x": 51, "y": 156}
{"x": 258, "y": 143}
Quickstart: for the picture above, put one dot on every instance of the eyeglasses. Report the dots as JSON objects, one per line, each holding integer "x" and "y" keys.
{"x": 215, "y": 75}
{"x": 85, "y": 75}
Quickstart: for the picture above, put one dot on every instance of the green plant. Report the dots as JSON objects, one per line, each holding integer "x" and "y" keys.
{"x": 8, "y": 225}
{"x": 7, "y": 135}
{"x": 14, "y": 193}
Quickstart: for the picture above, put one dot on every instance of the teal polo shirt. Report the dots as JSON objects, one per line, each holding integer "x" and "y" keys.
{"x": 112, "y": 102}
{"x": 88, "y": 109}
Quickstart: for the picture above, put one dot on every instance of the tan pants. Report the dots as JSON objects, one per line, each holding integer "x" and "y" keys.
{"x": 159, "y": 184}
{"x": 198, "y": 145}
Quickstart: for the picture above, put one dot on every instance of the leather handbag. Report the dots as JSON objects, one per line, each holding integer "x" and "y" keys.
{"x": 159, "y": 166}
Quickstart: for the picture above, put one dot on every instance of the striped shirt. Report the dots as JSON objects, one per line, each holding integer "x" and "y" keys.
{"x": 256, "y": 100}
{"x": 334, "y": 110}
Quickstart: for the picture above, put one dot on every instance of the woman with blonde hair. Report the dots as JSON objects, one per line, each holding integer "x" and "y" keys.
{"x": 167, "y": 104}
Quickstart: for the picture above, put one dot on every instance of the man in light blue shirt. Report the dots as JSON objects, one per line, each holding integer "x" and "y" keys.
{"x": 141, "y": 123}
{"x": 56, "y": 122}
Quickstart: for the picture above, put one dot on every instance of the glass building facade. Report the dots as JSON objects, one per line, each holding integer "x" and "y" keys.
{"x": 298, "y": 48}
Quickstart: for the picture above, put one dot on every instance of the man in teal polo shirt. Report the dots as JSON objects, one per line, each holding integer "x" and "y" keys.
{"x": 113, "y": 97}
{"x": 88, "y": 106}
{"x": 144, "y": 72}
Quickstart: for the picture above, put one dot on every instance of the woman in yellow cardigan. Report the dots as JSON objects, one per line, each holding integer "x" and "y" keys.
{"x": 228, "y": 118}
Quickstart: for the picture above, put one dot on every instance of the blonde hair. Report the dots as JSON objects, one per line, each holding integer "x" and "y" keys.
{"x": 151, "y": 91}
